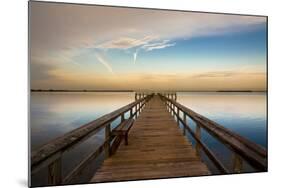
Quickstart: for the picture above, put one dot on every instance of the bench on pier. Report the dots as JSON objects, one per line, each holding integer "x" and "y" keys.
{"x": 123, "y": 129}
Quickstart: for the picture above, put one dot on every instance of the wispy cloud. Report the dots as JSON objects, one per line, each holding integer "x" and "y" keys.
{"x": 125, "y": 42}
{"x": 104, "y": 62}
{"x": 146, "y": 43}
{"x": 135, "y": 31}
{"x": 214, "y": 74}
{"x": 158, "y": 45}
{"x": 149, "y": 46}
{"x": 153, "y": 46}
{"x": 53, "y": 33}
{"x": 226, "y": 74}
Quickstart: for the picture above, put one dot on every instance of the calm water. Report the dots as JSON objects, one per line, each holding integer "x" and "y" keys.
{"x": 53, "y": 114}
{"x": 241, "y": 112}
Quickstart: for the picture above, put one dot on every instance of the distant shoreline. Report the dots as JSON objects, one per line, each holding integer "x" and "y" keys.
{"x": 77, "y": 90}
{"x": 237, "y": 91}
{"x": 90, "y": 90}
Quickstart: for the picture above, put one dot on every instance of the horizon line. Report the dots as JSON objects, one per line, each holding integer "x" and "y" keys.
{"x": 144, "y": 90}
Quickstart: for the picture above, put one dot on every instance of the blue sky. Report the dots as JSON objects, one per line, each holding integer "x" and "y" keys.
{"x": 145, "y": 49}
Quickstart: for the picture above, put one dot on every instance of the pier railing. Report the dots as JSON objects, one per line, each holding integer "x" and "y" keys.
{"x": 241, "y": 147}
{"x": 50, "y": 154}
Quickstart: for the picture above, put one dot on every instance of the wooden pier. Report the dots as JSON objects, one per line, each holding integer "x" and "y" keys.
{"x": 156, "y": 149}
{"x": 147, "y": 144}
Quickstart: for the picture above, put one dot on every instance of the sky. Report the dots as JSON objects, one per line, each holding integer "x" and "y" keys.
{"x": 98, "y": 47}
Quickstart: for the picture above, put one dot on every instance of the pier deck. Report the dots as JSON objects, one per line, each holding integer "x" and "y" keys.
{"x": 157, "y": 149}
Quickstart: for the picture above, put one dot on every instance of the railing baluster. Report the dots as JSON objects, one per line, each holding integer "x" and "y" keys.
{"x": 136, "y": 111}
{"x": 174, "y": 106}
{"x": 237, "y": 163}
{"x": 54, "y": 172}
{"x": 178, "y": 114}
{"x": 198, "y": 135}
{"x": 168, "y": 106}
{"x": 184, "y": 119}
{"x": 107, "y": 140}
{"x": 131, "y": 113}
{"x": 123, "y": 117}
{"x": 138, "y": 108}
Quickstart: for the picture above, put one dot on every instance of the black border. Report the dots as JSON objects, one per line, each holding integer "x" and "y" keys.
{"x": 144, "y": 8}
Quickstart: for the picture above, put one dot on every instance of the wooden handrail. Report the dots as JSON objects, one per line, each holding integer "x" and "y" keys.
{"x": 209, "y": 153}
{"x": 251, "y": 152}
{"x": 53, "y": 150}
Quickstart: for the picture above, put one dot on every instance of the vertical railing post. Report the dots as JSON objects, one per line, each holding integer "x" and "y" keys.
{"x": 178, "y": 116}
{"x": 184, "y": 120}
{"x": 131, "y": 113}
{"x": 136, "y": 110}
{"x": 123, "y": 117}
{"x": 198, "y": 135}
{"x": 54, "y": 172}
{"x": 237, "y": 163}
{"x": 139, "y": 107}
{"x": 107, "y": 140}
{"x": 174, "y": 106}
{"x": 169, "y": 105}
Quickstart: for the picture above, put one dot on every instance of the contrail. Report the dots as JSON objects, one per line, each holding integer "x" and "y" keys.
{"x": 135, "y": 56}
{"x": 104, "y": 62}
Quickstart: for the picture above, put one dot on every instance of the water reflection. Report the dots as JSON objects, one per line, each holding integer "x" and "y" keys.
{"x": 53, "y": 114}
{"x": 244, "y": 113}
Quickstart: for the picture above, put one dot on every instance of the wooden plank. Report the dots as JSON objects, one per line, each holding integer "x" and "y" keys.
{"x": 157, "y": 149}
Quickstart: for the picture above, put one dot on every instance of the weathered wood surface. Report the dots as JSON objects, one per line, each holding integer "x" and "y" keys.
{"x": 124, "y": 127}
{"x": 157, "y": 149}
